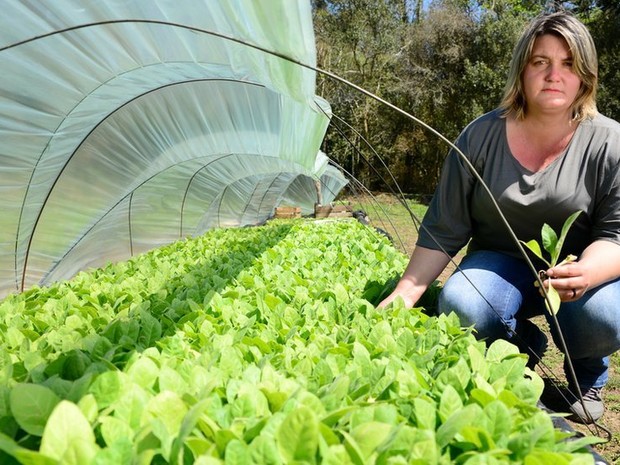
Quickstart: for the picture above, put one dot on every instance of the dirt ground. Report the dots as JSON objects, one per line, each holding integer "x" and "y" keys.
{"x": 399, "y": 224}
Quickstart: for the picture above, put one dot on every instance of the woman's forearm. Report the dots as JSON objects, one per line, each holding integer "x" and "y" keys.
{"x": 424, "y": 267}
{"x": 601, "y": 259}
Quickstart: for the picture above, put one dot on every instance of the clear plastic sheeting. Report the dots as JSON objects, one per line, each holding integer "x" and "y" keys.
{"x": 129, "y": 124}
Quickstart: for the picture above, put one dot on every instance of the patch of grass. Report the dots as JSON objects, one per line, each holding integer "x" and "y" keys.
{"x": 390, "y": 214}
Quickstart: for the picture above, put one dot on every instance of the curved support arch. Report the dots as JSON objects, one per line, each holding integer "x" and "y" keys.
{"x": 268, "y": 169}
{"x": 75, "y": 75}
{"x": 54, "y": 182}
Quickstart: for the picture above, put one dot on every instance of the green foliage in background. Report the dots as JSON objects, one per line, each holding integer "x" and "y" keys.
{"x": 444, "y": 61}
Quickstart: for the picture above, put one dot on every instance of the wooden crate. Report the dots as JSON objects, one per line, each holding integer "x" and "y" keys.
{"x": 332, "y": 211}
{"x": 288, "y": 212}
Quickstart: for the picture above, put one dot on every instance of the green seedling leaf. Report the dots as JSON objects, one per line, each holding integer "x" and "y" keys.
{"x": 355, "y": 453}
{"x": 453, "y": 425}
{"x": 88, "y": 406}
{"x": 569, "y": 258}
{"x": 425, "y": 450}
{"x": 552, "y": 244}
{"x": 114, "y": 430}
{"x": 553, "y": 301}
{"x": 187, "y": 426}
{"x": 120, "y": 453}
{"x": 500, "y": 349}
{"x": 328, "y": 436}
{"x": 336, "y": 415}
{"x": 144, "y": 371}
{"x": 23, "y": 455}
{"x": 477, "y": 361}
{"x": 499, "y": 421}
{"x": 369, "y": 436}
{"x": 537, "y": 457}
{"x": 108, "y": 388}
{"x": 68, "y": 437}
{"x": 169, "y": 408}
{"x": 567, "y": 225}
{"x": 298, "y": 436}
{"x": 449, "y": 403}
{"x": 264, "y": 450}
{"x": 32, "y": 405}
{"x": 237, "y": 453}
{"x": 425, "y": 413}
{"x": 336, "y": 455}
{"x": 535, "y": 248}
{"x": 206, "y": 460}
{"x": 550, "y": 241}
{"x": 150, "y": 330}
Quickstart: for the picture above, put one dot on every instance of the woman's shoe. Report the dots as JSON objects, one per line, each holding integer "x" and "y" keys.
{"x": 593, "y": 404}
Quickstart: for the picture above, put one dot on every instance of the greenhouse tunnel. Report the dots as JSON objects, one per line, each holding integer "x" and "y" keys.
{"x": 127, "y": 125}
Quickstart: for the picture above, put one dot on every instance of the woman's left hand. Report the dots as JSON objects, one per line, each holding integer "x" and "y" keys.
{"x": 599, "y": 263}
{"x": 571, "y": 280}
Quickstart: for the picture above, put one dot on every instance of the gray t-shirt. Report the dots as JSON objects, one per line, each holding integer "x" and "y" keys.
{"x": 585, "y": 177}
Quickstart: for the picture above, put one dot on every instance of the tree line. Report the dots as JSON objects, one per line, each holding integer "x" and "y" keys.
{"x": 445, "y": 62}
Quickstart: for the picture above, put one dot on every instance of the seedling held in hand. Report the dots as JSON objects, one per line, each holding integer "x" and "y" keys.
{"x": 553, "y": 245}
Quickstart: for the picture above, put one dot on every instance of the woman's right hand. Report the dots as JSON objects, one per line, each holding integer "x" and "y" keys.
{"x": 409, "y": 301}
{"x": 423, "y": 268}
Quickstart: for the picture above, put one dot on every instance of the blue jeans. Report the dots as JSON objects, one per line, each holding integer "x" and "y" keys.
{"x": 492, "y": 291}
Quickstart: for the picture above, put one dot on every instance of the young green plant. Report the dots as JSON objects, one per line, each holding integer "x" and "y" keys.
{"x": 553, "y": 245}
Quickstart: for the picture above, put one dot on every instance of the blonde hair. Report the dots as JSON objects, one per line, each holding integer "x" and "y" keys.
{"x": 585, "y": 64}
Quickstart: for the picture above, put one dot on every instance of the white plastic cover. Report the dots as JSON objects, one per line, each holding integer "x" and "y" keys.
{"x": 128, "y": 124}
